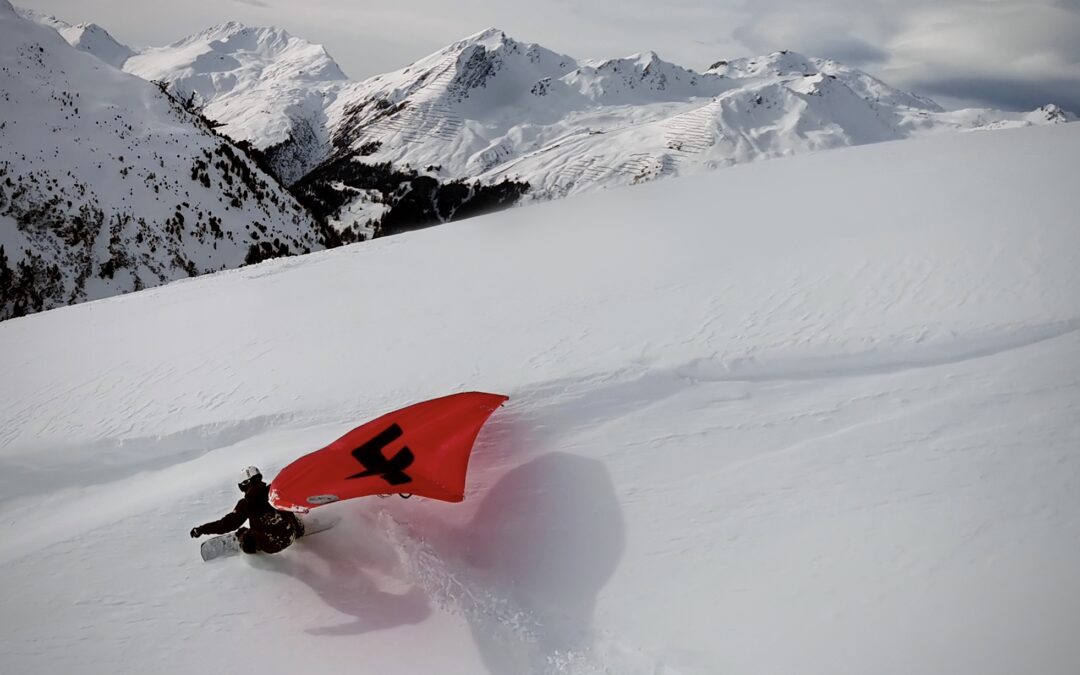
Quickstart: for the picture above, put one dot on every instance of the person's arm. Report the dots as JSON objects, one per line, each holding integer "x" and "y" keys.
{"x": 230, "y": 522}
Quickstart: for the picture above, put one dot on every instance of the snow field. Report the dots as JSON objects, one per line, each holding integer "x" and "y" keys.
{"x": 813, "y": 416}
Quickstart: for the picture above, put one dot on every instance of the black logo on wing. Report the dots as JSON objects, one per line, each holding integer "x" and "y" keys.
{"x": 376, "y": 464}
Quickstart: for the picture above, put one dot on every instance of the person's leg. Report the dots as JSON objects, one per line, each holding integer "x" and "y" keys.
{"x": 247, "y": 540}
{"x": 298, "y": 526}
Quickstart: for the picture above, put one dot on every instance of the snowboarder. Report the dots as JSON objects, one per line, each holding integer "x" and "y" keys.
{"x": 268, "y": 531}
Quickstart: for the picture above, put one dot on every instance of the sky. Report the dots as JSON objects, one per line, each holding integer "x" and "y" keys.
{"x": 1009, "y": 54}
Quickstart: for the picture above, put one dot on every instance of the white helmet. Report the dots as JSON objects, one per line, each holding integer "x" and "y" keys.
{"x": 249, "y": 473}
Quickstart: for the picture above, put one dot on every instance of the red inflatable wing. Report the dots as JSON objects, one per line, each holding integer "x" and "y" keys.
{"x": 422, "y": 449}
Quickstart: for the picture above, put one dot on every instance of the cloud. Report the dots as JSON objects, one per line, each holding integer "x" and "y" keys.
{"x": 815, "y": 37}
{"x": 1016, "y": 54}
{"x": 1006, "y": 93}
{"x": 253, "y": 3}
{"x": 1002, "y": 52}
{"x": 851, "y": 28}
{"x": 852, "y": 50}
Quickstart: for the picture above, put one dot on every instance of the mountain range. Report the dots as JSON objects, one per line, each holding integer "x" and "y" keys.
{"x": 495, "y": 110}
{"x": 486, "y": 122}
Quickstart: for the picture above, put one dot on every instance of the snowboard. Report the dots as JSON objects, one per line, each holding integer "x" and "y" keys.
{"x": 220, "y": 546}
{"x": 224, "y": 545}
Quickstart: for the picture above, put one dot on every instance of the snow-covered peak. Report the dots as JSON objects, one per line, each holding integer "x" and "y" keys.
{"x": 1052, "y": 114}
{"x": 490, "y": 39}
{"x": 787, "y": 65}
{"x": 779, "y": 63}
{"x": 642, "y": 77}
{"x": 92, "y": 38}
{"x": 33, "y": 15}
{"x": 219, "y": 31}
{"x": 266, "y": 86}
{"x": 495, "y": 41}
{"x": 483, "y": 70}
{"x": 231, "y": 55}
{"x": 260, "y": 46}
{"x": 88, "y": 37}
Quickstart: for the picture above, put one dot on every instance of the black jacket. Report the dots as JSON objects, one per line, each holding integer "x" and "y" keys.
{"x": 273, "y": 530}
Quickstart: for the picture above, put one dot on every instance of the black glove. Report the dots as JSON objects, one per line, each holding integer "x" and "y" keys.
{"x": 195, "y": 533}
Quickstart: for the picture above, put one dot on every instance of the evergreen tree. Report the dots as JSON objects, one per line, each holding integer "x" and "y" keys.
{"x": 5, "y": 281}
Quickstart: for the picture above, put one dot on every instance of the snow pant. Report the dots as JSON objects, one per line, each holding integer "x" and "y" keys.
{"x": 247, "y": 540}
{"x": 249, "y": 543}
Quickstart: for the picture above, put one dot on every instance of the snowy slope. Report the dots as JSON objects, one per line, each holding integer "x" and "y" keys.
{"x": 108, "y": 186}
{"x": 811, "y": 416}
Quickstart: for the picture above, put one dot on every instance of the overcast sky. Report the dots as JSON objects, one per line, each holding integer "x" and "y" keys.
{"x": 1012, "y": 54}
